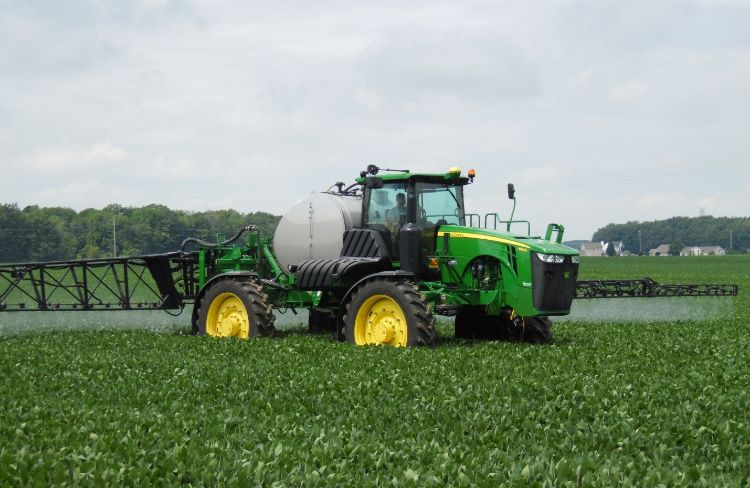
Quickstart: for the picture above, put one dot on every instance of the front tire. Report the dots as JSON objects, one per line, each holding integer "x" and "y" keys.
{"x": 537, "y": 330}
{"x": 233, "y": 308}
{"x": 388, "y": 312}
{"x": 474, "y": 323}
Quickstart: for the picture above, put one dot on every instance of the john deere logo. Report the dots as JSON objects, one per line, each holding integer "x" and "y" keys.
{"x": 566, "y": 275}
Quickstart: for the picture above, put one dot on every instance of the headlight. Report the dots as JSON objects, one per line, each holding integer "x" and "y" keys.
{"x": 551, "y": 258}
{"x": 574, "y": 259}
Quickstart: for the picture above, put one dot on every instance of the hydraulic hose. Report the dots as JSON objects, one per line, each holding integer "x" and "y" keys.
{"x": 212, "y": 245}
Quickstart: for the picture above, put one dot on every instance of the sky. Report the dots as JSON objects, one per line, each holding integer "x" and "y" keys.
{"x": 598, "y": 111}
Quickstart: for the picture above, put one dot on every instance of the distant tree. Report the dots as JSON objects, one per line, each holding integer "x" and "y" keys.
{"x": 13, "y": 237}
{"x": 693, "y": 231}
{"x": 43, "y": 233}
{"x": 611, "y": 249}
{"x": 675, "y": 247}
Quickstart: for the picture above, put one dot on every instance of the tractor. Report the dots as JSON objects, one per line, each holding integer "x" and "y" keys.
{"x": 373, "y": 263}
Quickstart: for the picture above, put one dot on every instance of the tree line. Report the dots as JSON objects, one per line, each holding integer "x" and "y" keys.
{"x": 687, "y": 231}
{"x": 53, "y": 233}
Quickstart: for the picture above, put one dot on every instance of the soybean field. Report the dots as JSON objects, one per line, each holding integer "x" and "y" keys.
{"x": 631, "y": 393}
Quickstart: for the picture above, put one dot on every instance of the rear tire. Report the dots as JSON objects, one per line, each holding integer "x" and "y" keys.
{"x": 234, "y": 308}
{"x": 388, "y": 312}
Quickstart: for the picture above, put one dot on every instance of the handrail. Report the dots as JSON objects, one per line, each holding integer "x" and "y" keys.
{"x": 497, "y": 220}
{"x": 471, "y": 219}
{"x": 554, "y": 228}
{"x": 494, "y": 222}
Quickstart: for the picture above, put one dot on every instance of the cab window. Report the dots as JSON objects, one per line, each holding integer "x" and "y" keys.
{"x": 385, "y": 211}
{"x": 440, "y": 204}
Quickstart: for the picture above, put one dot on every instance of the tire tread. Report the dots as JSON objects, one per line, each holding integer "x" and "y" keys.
{"x": 262, "y": 312}
{"x": 417, "y": 312}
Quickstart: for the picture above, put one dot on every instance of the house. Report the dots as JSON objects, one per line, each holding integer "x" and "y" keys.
{"x": 703, "y": 251}
{"x": 662, "y": 250}
{"x": 712, "y": 251}
{"x": 601, "y": 248}
{"x": 592, "y": 249}
{"x": 691, "y": 251}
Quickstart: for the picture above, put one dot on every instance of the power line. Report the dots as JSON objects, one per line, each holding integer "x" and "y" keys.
{"x": 637, "y": 174}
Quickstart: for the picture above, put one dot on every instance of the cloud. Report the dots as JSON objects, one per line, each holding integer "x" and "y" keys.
{"x": 583, "y": 105}
{"x": 627, "y": 91}
{"x": 666, "y": 204}
{"x": 89, "y": 193}
{"x": 661, "y": 199}
{"x": 6, "y": 115}
{"x": 173, "y": 168}
{"x": 75, "y": 158}
{"x": 709, "y": 202}
{"x": 414, "y": 64}
{"x": 541, "y": 175}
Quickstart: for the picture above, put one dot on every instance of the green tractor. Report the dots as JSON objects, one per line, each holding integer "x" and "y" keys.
{"x": 405, "y": 255}
{"x": 373, "y": 263}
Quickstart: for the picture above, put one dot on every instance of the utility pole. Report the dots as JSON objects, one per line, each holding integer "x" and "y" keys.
{"x": 114, "y": 238}
{"x": 730, "y": 239}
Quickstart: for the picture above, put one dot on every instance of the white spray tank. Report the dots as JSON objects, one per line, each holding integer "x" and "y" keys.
{"x": 314, "y": 227}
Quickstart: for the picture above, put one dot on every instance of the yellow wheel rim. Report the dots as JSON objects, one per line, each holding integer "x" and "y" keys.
{"x": 380, "y": 320}
{"x": 227, "y": 317}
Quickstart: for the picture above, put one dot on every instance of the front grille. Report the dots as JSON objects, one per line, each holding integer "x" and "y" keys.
{"x": 553, "y": 284}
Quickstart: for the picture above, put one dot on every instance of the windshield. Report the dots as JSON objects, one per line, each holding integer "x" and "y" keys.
{"x": 440, "y": 204}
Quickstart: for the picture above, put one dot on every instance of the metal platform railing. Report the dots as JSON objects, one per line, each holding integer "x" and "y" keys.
{"x": 154, "y": 282}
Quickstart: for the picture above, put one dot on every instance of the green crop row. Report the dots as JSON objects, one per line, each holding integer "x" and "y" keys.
{"x": 609, "y": 404}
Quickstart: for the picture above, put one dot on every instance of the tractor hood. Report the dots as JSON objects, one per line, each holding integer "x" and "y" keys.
{"x": 524, "y": 242}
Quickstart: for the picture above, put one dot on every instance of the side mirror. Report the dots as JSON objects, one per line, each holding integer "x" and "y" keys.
{"x": 511, "y": 191}
{"x": 374, "y": 182}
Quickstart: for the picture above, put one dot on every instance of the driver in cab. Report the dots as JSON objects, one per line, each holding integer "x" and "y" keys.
{"x": 396, "y": 216}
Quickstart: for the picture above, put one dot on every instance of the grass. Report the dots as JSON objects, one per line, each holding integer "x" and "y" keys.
{"x": 610, "y": 404}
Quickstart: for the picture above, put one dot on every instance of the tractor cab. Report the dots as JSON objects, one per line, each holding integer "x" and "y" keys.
{"x": 407, "y": 209}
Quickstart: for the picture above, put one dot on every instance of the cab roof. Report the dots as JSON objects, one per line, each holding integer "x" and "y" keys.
{"x": 449, "y": 177}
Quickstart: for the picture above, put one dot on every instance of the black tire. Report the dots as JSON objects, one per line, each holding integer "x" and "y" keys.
{"x": 250, "y": 294}
{"x": 474, "y": 323}
{"x": 537, "y": 330}
{"x": 321, "y": 320}
{"x": 419, "y": 321}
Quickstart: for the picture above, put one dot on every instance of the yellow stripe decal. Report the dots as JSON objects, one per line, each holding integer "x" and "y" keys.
{"x": 521, "y": 246}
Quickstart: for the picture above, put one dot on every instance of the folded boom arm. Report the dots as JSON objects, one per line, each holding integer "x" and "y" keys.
{"x": 647, "y": 287}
